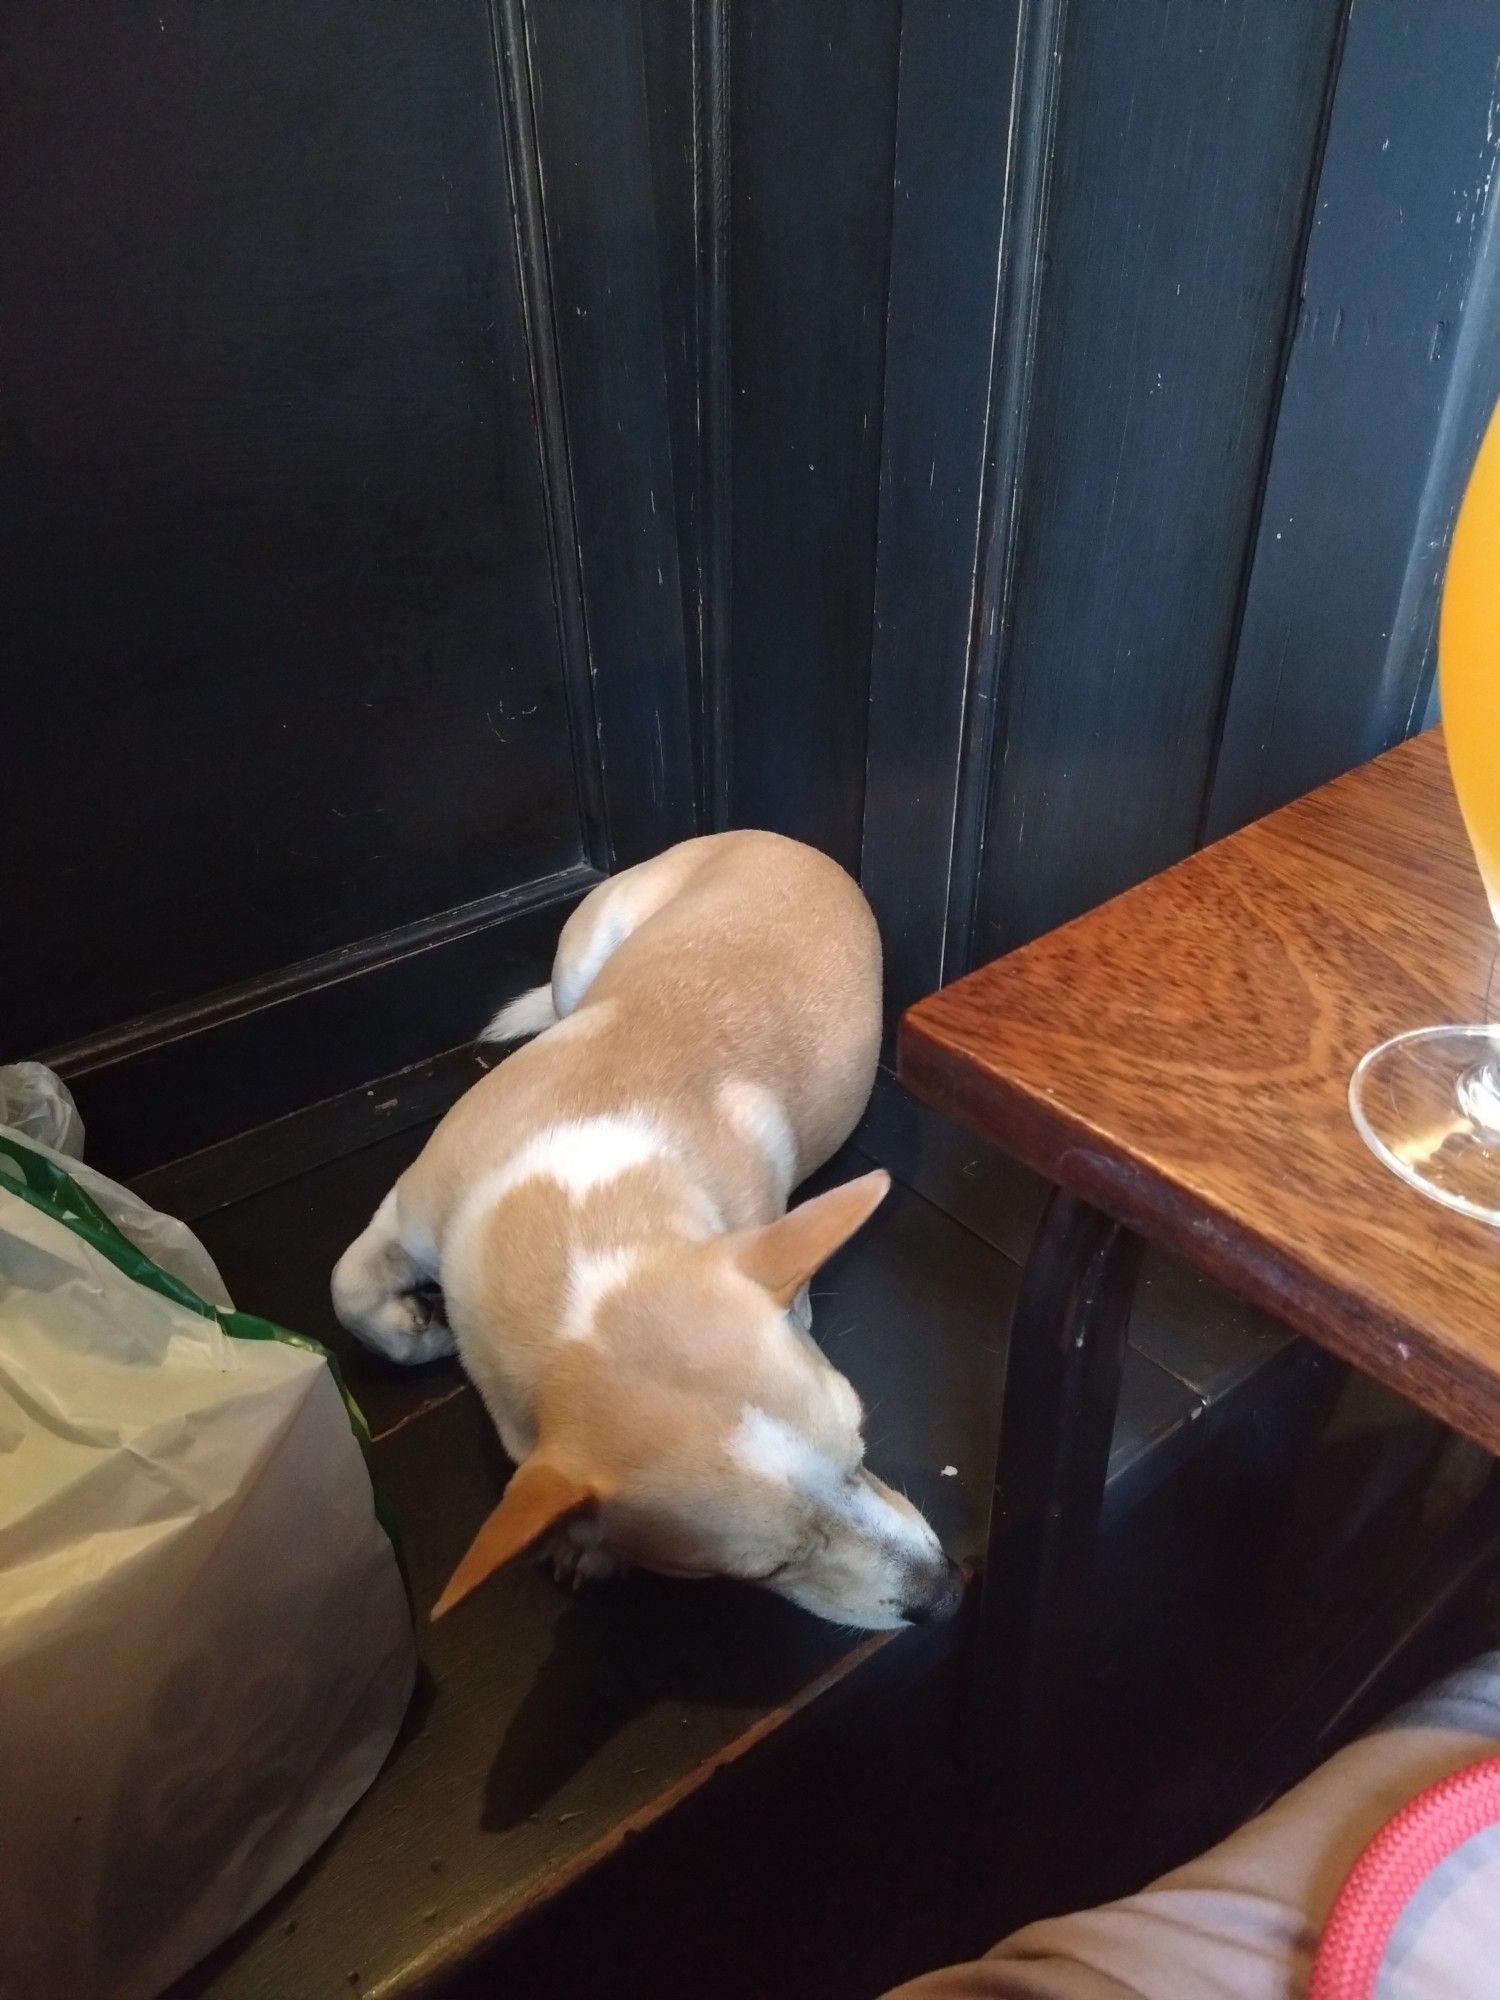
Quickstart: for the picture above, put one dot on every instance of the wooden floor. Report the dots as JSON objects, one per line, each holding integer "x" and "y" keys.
{"x": 549, "y": 1728}
{"x": 778, "y": 1802}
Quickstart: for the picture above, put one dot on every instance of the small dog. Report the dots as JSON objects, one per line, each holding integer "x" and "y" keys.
{"x": 600, "y": 1228}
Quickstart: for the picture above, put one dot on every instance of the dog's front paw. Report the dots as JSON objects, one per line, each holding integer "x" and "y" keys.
{"x": 575, "y": 1556}
{"x": 409, "y": 1327}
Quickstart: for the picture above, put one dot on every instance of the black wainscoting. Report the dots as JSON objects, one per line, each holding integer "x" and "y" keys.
{"x": 454, "y": 456}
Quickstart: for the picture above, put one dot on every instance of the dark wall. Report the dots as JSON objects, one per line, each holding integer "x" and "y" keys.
{"x": 1183, "y": 155}
{"x": 339, "y": 543}
{"x": 1394, "y": 370}
{"x": 275, "y": 557}
{"x": 1191, "y": 319}
{"x": 456, "y": 451}
{"x": 812, "y": 134}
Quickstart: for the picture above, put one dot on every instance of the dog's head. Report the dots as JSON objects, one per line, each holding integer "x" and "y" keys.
{"x": 697, "y": 1431}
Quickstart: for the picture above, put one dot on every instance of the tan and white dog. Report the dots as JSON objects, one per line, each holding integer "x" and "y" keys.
{"x": 599, "y": 1226}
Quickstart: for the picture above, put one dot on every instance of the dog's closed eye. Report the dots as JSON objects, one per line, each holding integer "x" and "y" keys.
{"x": 765, "y": 1575}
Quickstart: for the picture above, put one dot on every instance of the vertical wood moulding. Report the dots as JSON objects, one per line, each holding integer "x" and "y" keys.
{"x": 711, "y": 151}
{"x": 518, "y": 117}
{"x": 1294, "y": 301}
{"x": 1029, "y": 149}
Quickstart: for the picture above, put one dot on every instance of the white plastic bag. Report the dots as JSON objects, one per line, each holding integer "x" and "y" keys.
{"x": 37, "y": 1104}
{"x": 205, "y": 1644}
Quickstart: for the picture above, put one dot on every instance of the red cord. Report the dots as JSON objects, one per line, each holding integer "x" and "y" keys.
{"x": 1435, "y": 1824}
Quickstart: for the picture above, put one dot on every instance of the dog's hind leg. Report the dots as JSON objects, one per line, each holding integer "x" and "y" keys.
{"x": 386, "y": 1297}
{"x": 605, "y": 918}
{"x": 613, "y": 912}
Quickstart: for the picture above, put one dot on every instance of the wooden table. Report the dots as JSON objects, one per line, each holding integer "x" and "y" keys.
{"x": 1177, "y": 1063}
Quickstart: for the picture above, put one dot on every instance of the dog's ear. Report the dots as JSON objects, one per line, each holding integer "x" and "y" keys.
{"x": 784, "y": 1254}
{"x": 541, "y": 1496}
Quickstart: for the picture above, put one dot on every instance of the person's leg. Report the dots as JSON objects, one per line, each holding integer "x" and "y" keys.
{"x": 1242, "y": 1921}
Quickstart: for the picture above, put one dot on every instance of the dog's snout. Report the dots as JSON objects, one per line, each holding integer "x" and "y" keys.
{"x": 939, "y": 1602}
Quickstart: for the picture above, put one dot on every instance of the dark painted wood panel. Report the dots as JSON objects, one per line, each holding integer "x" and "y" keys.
{"x": 334, "y": 1128}
{"x": 1395, "y": 369}
{"x": 594, "y": 141}
{"x": 812, "y": 94}
{"x": 203, "y": 1075}
{"x": 671, "y": 47}
{"x": 715, "y": 415}
{"x": 1186, "y": 143}
{"x": 958, "y": 71}
{"x": 283, "y": 651}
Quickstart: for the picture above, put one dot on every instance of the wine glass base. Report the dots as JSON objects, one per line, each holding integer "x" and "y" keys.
{"x": 1428, "y": 1104}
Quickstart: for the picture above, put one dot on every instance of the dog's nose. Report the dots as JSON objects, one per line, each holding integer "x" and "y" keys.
{"x": 941, "y": 1602}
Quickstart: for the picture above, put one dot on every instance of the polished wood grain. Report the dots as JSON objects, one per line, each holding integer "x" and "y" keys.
{"x": 1181, "y": 1057}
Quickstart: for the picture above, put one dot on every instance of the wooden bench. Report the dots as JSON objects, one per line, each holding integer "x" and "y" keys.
{"x": 551, "y": 1730}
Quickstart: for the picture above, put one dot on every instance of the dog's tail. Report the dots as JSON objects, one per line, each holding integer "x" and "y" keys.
{"x": 526, "y": 1015}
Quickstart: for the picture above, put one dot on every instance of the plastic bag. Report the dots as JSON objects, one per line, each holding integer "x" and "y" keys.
{"x": 36, "y": 1103}
{"x": 205, "y": 1642}
{"x": 37, "y": 1106}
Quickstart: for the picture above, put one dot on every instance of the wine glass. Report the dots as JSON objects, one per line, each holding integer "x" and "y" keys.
{"x": 1428, "y": 1102}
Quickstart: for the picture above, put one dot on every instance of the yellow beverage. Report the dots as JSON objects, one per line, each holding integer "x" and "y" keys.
{"x": 1469, "y": 660}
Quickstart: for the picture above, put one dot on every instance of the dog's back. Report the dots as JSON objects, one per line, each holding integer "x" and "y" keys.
{"x": 730, "y": 989}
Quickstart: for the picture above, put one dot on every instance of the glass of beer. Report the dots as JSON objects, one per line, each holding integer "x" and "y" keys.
{"x": 1428, "y": 1102}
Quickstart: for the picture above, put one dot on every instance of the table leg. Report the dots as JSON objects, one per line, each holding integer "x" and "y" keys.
{"x": 1062, "y": 1385}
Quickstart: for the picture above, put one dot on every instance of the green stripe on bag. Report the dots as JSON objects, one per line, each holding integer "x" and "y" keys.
{"x": 49, "y": 1188}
